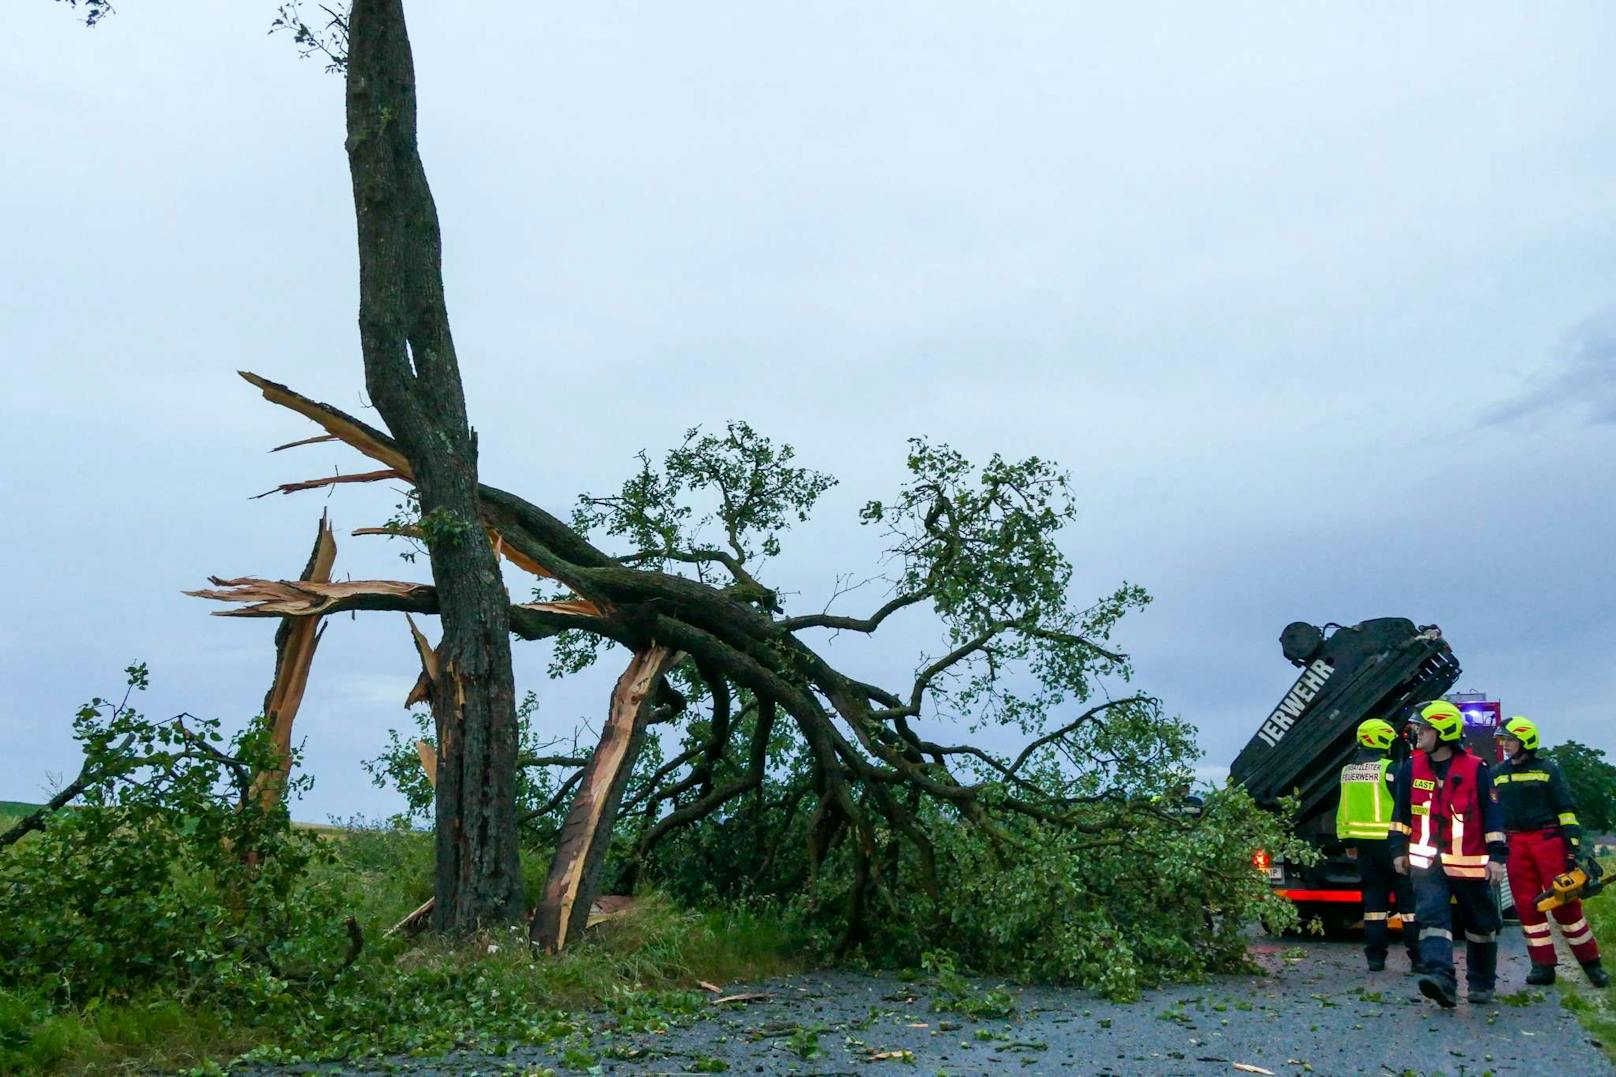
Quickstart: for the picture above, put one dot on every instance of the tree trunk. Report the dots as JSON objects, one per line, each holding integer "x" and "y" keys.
{"x": 413, "y": 378}
{"x": 563, "y": 912}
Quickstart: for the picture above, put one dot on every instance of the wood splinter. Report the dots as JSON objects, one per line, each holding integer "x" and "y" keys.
{"x": 295, "y": 642}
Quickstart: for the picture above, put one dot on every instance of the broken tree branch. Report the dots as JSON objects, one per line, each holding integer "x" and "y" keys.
{"x": 295, "y": 642}
{"x": 330, "y": 480}
{"x": 581, "y": 848}
{"x": 88, "y": 775}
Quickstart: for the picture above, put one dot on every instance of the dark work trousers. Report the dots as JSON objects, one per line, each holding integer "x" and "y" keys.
{"x": 1433, "y": 888}
{"x": 1381, "y": 884}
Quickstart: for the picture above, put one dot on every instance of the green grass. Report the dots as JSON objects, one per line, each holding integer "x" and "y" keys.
{"x": 1596, "y": 1009}
{"x": 13, "y": 810}
{"x": 421, "y": 998}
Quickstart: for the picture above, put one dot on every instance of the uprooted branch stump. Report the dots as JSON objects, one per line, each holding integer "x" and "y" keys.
{"x": 586, "y": 833}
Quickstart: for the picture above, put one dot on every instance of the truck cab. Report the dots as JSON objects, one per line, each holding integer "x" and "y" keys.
{"x": 1380, "y": 668}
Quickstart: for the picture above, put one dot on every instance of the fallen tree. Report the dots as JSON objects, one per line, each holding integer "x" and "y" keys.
{"x": 1072, "y": 836}
{"x": 770, "y": 727}
{"x": 975, "y": 548}
{"x": 981, "y": 554}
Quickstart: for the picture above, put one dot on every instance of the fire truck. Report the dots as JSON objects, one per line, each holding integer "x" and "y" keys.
{"x": 1381, "y": 668}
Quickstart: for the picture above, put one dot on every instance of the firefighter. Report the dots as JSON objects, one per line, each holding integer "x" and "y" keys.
{"x": 1544, "y": 840}
{"x": 1449, "y": 831}
{"x": 1362, "y": 821}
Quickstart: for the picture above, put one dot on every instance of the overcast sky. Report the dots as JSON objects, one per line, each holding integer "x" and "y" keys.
{"x": 1318, "y": 303}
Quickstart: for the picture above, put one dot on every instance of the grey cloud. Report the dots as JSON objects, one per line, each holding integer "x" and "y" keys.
{"x": 1580, "y": 380}
{"x": 1190, "y": 260}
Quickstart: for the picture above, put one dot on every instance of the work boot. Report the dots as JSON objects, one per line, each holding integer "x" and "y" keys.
{"x": 1479, "y": 998}
{"x": 1377, "y": 964}
{"x": 1414, "y": 966}
{"x": 1540, "y": 976}
{"x": 1596, "y": 973}
{"x": 1441, "y": 990}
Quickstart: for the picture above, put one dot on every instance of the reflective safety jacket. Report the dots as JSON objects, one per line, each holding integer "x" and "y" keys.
{"x": 1449, "y": 812}
{"x": 1535, "y": 796}
{"x": 1367, "y": 798}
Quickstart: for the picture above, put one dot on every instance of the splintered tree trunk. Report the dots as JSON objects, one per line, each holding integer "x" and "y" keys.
{"x": 563, "y": 912}
{"x": 413, "y": 378}
{"x": 295, "y": 642}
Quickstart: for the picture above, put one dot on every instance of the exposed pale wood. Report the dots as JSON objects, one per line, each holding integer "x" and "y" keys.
{"x": 422, "y": 691}
{"x": 295, "y": 644}
{"x": 581, "y": 848}
{"x": 517, "y": 557}
{"x": 511, "y": 554}
{"x": 580, "y": 607}
{"x": 330, "y": 480}
{"x": 499, "y": 510}
{"x": 429, "y": 761}
{"x": 371, "y": 442}
{"x": 415, "y": 922}
{"x": 307, "y": 598}
{"x": 609, "y": 907}
{"x": 423, "y": 649}
{"x": 297, "y": 598}
{"x": 315, "y": 440}
{"x": 599, "y": 913}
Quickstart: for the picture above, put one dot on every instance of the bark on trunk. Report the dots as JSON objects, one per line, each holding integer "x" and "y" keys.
{"x": 580, "y": 853}
{"x": 413, "y": 378}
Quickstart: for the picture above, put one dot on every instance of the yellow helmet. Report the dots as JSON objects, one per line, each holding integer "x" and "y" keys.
{"x": 1377, "y": 734}
{"x": 1443, "y": 717}
{"x": 1524, "y": 730}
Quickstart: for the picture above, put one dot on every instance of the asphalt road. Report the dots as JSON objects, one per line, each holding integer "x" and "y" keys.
{"x": 1314, "y": 1010}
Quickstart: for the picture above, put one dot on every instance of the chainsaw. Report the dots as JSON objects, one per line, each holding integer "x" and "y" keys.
{"x": 1581, "y": 881}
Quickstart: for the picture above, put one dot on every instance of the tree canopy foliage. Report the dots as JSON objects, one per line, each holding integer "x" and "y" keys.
{"x": 166, "y": 871}
{"x": 1592, "y": 778}
{"x": 1068, "y": 854}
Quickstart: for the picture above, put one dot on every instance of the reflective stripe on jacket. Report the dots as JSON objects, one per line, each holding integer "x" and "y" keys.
{"x": 1448, "y": 819}
{"x": 1535, "y": 796}
{"x": 1365, "y": 810}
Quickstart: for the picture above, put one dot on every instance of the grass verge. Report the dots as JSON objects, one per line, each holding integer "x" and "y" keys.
{"x": 1596, "y": 1009}
{"x": 490, "y": 993}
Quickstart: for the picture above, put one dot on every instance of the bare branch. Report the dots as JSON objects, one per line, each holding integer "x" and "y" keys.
{"x": 854, "y": 624}
{"x": 89, "y": 774}
{"x": 330, "y": 480}
{"x": 1066, "y": 637}
{"x": 552, "y": 761}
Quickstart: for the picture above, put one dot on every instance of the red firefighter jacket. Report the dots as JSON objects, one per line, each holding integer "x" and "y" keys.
{"x": 1451, "y": 815}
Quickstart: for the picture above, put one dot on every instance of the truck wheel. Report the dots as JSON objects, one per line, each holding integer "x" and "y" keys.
{"x": 1343, "y": 922}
